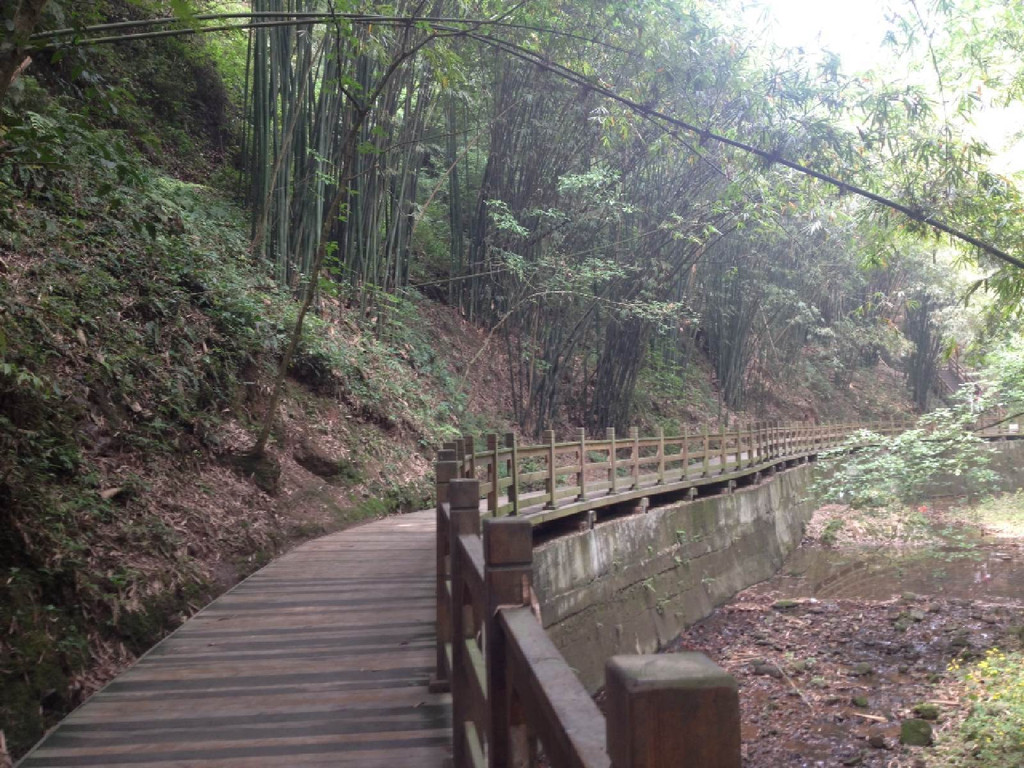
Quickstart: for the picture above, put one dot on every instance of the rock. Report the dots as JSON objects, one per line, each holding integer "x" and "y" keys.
{"x": 909, "y": 597}
{"x": 916, "y": 732}
{"x": 903, "y": 623}
{"x": 917, "y": 615}
{"x": 860, "y": 701}
{"x": 876, "y": 738}
{"x": 961, "y": 639}
{"x": 926, "y": 711}
{"x": 762, "y": 668}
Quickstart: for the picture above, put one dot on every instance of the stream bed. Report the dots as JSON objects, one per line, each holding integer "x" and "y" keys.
{"x": 842, "y": 646}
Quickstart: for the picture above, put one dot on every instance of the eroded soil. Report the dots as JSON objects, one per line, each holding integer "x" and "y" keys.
{"x": 832, "y": 658}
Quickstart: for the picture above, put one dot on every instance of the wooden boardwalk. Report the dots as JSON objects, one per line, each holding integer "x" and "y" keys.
{"x": 321, "y": 658}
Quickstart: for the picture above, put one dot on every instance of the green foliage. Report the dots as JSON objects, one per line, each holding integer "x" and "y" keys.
{"x": 872, "y": 470}
{"x": 1001, "y": 515}
{"x": 993, "y": 732}
{"x": 1003, "y": 374}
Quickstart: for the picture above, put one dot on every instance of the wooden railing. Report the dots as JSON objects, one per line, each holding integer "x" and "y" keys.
{"x": 514, "y": 698}
{"x": 513, "y": 695}
{"x": 558, "y": 479}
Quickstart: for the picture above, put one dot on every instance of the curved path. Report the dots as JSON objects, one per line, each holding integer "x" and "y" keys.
{"x": 321, "y": 658}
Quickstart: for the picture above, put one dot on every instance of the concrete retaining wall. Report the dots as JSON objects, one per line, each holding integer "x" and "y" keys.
{"x": 631, "y": 585}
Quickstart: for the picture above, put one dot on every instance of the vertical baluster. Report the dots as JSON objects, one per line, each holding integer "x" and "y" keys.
{"x": 706, "y": 468}
{"x": 613, "y": 474}
{"x": 634, "y": 433}
{"x": 493, "y": 474}
{"x": 514, "y": 489}
{"x": 582, "y": 480}
{"x": 723, "y": 450}
{"x": 685, "y": 451}
{"x": 510, "y": 468}
{"x": 661, "y": 455}
{"x": 552, "y": 478}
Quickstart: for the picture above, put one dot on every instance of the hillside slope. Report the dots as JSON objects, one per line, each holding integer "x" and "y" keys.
{"x": 138, "y": 342}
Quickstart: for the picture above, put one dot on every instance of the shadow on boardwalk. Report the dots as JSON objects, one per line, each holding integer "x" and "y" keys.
{"x": 321, "y": 658}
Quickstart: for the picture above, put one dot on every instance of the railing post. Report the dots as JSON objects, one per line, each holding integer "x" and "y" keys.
{"x": 582, "y": 483}
{"x": 510, "y": 466}
{"x": 460, "y": 456}
{"x": 706, "y": 470}
{"x": 464, "y": 503}
{"x": 634, "y": 434}
{"x": 494, "y": 474}
{"x": 508, "y": 572}
{"x": 613, "y": 479}
{"x": 513, "y": 490}
{"x": 674, "y": 709}
{"x": 469, "y": 446}
{"x": 685, "y": 451}
{"x": 552, "y": 479}
{"x": 661, "y": 455}
{"x": 723, "y": 451}
{"x": 445, "y": 470}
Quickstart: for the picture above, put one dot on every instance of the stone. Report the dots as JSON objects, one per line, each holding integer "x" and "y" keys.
{"x": 903, "y": 623}
{"x": 876, "y": 738}
{"x": 961, "y": 639}
{"x": 762, "y": 668}
{"x": 916, "y": 732}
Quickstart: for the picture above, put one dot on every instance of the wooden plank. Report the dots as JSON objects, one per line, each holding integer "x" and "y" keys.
{"x": 321, "y": 658}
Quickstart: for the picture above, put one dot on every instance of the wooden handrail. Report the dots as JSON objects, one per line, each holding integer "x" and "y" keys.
{"x": 513, "y": 695}
{"x": 555, "y": 479}
{"x": 511, "y": 688}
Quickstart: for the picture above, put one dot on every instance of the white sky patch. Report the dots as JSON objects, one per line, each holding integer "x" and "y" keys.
{"x": 855, "y": 30}
{"x": 851, "y": 29}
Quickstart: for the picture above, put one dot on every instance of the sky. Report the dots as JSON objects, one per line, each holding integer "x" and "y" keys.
{"x": 851, "y": 28}
{"x": 854, "y": 30}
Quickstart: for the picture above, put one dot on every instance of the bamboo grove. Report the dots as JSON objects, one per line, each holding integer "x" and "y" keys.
{"x": 603, "y": 186}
